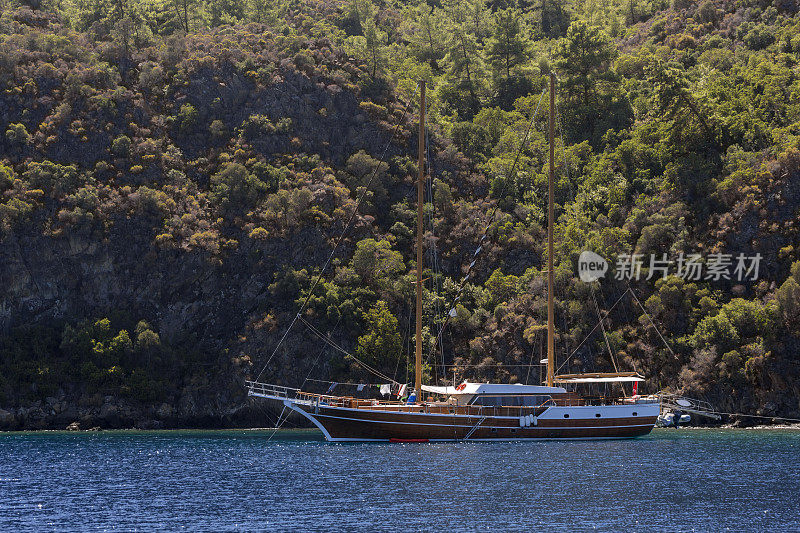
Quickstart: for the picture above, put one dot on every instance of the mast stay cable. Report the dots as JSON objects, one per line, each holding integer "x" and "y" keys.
{"x": 592, "y": 331}
{"x": 652, "y": 323}
{"x": 436, "y": 278}
{"x": 325, "y": 339}
{"x": 601, "y": 320}
{"x": 343, "y": 234}
{"x": 467, "y": 275}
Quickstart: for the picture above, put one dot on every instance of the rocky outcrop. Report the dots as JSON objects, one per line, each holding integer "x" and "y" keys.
{"x": 117, "y": 413}
{"x": 7, "y": 419}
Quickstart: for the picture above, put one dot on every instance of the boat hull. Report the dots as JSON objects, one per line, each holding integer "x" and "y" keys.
{"x": 553, "y": 423}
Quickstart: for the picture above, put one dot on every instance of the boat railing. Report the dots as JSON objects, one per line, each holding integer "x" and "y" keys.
{"x": 675, "y": 402}
{"x": 334, "y": 401}
{"x": 255, "y": 388}
{"x": 279, "y": 392}
{"x": 547, "y": 401}
{"x": 628, "y": 400}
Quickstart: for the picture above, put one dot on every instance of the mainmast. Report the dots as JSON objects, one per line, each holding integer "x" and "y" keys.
{"x": 550, "y": 223}
{"x": 420, "y": 200}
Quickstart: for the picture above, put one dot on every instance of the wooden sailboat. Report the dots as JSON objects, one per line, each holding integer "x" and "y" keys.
{"x": 479, "y": 411}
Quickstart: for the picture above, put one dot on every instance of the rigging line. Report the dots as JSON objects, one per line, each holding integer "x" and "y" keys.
{"x": 629, "y": 317}
{"x": 397, "y": 366}
{"x": 346, "y": 383}
{"x": 444, "y": 369}
{"x": 278, "y": 424}
{"x": 407, "y": 361}
{"x": 542, "y": 368}
{"x": 651, "y": 321}
{"x": 406, "y": 343}
{"x": 569, "y": 179}
{"x": 341, "y": 237}
{"x": 631, "y": 361}
{"x": 565, "y": 335}
{"x": 339, "y": 348}
{"x": 592, "y": 331}
{"x": 759, "y": 416}
{"x": 319, "y": 334}
{"x": 322, "y": 336}
{"x": 493, "y": 214}
{"x": 563, "y": 144}
{"x": 262, "y": 407}
{"x": 497, "y": 365}
{"x": 372, "y": 370}
{"x": 436, "y": 279}
{"x": 528, "y": 375}
{"x": 319, "y": 354}
{"x": 527, "y": 132}
{"x": 601, "y": 319}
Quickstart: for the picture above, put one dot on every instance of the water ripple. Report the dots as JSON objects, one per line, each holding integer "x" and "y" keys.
{"x": 686, "y": 480}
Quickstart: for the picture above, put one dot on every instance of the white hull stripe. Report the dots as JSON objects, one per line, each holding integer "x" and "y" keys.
{"x": 313, "y": 420}
{"x": 503, "y": 439}
{"x": 450, "y": 426}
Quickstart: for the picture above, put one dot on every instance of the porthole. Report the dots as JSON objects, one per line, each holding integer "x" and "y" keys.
{"x": 513, "y": 430}
{"x": 635, "y": 413}
{"x": 597, "y": 415}
{"x": 566, "y": 416}
{"x": 494, "y": 430}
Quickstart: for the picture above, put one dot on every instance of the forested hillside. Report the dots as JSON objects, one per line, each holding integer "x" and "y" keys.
{"x": 175, "y": 173}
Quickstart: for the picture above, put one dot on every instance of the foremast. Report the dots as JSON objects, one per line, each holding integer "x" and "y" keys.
{"x": 550, "y": 223}
{"x": 420, "y": 201}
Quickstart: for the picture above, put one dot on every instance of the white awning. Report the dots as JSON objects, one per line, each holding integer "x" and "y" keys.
{"x": 493, "y": 388}
{"x": 441, "y": 390}
{"x": 600, "y": 377}
{"x": 618, "y": 379}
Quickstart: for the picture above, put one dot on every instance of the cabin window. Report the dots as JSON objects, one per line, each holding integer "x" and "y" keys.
{"x": 597, "y": 415}
{"x": 510, "y": 401}
{"x": 536, "y": 401}
{"x": 489, "y": 401}
{"x": 635, "y": 413}
{"x": 566, "y": 416}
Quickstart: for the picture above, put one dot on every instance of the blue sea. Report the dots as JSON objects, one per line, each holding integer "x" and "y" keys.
{"x": 672, "y": 480}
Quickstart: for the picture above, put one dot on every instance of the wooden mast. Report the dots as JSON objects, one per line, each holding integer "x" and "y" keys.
{"x": 420, "y": 200}
{"x": 550, "y": 223}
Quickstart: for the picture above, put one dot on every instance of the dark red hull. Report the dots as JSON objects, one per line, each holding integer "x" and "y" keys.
{"x": 360, "y": 424}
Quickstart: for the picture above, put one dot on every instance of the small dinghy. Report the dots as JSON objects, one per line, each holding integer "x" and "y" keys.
{"x": 668, "y": 419}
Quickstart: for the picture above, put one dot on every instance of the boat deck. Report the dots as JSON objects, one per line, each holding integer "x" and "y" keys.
{"x": 568, "y": 399}
{"x": 567, "y": 416}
